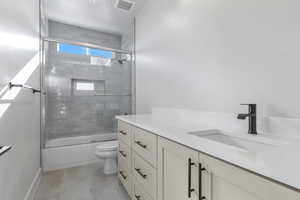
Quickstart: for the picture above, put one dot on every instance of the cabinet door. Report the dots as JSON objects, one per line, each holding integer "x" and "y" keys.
{"x": 177, "y": 171}
{"x": 228, "y": 182}
{"x": 124, "y": 131}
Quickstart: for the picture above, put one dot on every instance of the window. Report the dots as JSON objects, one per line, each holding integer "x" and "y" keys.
{"x": 71, "y": 49}
{"x": 101, "y": 53}
{"x": 97, "y": 56}
{"x": 85, "y": 86}
{"x": 74, "y": 49}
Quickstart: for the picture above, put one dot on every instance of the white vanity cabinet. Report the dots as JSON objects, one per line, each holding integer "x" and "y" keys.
{"x": 137, "y": 161}
{"x": 124, "y": 156}
{"x": 177, "y": 171}
{"x": 228, "y": 182}
{"x": 155, "y": 168}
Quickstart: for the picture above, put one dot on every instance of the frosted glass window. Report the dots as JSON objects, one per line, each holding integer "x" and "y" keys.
{"x": 85, "y": 86}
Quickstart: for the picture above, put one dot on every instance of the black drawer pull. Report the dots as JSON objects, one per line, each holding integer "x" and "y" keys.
{"x": 138, "y": 197}
{"x": 123, "y": 132}
{"x": 141, "y": 144}
{"x": 200, "y": 169}
{"x": 138, "y": 170}
{"x": 123, "y": 154}
{"x": 122, "y": 174}
{"x": 190, "y": 190}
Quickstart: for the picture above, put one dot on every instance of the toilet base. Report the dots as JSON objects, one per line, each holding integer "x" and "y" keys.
{"x": 110, "y": 166}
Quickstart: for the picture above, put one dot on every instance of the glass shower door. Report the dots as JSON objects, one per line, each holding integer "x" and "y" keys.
{"x": 85, "y": 89}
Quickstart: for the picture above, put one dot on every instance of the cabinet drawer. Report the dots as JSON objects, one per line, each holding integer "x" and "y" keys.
{"x": 145, "y": 144}
{"x": 124, "y": 154}
{"x": 144, "y": 173}
{"x": 124, "y": 132}
{"x": 138, "y": 193}
{"x": 125, "y": 176}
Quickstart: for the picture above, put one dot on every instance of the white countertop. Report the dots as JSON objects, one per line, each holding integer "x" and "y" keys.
{"x": 281, "y": 164}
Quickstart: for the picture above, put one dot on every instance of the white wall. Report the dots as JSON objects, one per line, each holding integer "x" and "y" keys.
{"x": 19, "y": 116}
{"x": 216, "y": 54}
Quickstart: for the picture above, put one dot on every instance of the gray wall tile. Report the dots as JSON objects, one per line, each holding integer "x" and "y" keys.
{"x": 84, "y": 113}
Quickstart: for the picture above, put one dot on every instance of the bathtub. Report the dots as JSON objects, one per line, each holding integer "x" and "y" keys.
{"x": 72, "y": 151}
{"x": 67, "y": 141}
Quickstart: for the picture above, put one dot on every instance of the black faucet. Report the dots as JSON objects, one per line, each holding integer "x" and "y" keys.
{"x": 251, "y": 117}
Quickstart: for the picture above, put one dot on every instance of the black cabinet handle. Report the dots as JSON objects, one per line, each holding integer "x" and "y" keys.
{"x": 141, "y": 144}
{"x": 122, "y": 153}
{"x": 138, "y": 197}
{"x": 138, "y": 170}
{"x": 200, "y": 169}
{"x": 122, "y": 174}
{"x": 190, "y": 190}
{"x": 123, "y": 132}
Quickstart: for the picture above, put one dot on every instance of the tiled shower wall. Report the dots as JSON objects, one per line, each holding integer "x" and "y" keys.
{"x": 69, "y": 114}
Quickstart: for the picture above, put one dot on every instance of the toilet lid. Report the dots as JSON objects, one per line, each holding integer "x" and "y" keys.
{"x": 108, "y": 146}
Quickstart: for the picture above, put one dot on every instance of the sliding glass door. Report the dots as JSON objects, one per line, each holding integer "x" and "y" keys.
{"x": 85, "y": 89}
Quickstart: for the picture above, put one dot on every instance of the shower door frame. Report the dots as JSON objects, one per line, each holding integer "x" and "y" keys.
{"x": 45, "y": 42}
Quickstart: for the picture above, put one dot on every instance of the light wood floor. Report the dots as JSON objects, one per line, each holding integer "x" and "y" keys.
{"x": 80, "y": 183}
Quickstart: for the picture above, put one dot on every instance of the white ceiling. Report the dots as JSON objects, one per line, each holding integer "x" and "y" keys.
{"x": 95, "y": 14}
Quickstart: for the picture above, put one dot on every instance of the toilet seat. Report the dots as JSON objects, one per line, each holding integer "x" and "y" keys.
{"x": 108, "y": 146}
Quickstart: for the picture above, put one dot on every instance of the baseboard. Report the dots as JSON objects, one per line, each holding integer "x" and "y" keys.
{"x": 34, "y": 186}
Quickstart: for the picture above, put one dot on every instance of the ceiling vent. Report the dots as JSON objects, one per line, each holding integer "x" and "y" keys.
{"x": 124, "y": 5}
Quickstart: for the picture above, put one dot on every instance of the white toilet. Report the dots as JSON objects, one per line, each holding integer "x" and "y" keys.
{"x": 108, "y": 152}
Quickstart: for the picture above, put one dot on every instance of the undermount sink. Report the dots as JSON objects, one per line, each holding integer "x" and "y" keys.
{"x": 250, "y": 143}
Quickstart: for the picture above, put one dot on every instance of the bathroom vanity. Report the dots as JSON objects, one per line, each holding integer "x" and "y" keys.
{"x": 163, "y": 162}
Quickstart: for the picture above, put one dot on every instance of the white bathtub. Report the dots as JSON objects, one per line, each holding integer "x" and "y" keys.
{"x": 80, "y": 140}
{"x": 71, "y": 152}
